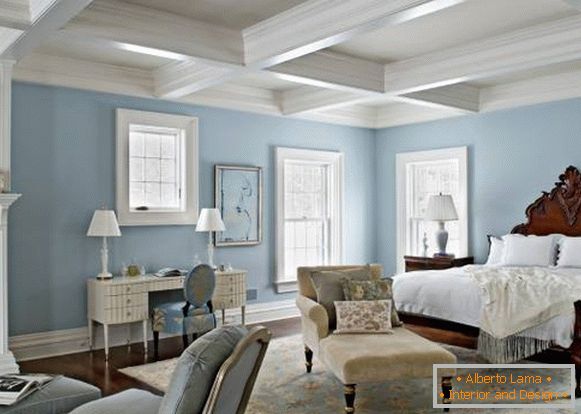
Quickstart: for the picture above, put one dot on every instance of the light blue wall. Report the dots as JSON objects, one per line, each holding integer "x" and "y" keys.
{"x": 513, "y": 155}
{"x": 63, "y": 164}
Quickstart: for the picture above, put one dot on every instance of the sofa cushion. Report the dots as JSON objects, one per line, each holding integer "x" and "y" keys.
{"x": 363, "y": 316}
{"x": 127, "y": 402}
{"x": 357, "y": 359}
{"x": 197, "y": 368}
{"x": 371, "y": 290}
{"x": 329, "y": 288}
{"x": 59, "y": 396}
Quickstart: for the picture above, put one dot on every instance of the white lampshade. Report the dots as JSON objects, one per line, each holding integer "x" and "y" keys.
{"x": 210, "y": 220}
{"x": 441, "y": 208}
{"x": 104, "y": 224}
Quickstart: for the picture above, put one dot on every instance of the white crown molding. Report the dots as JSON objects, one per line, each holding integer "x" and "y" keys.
{"x": 531, "y": 47}
{"x": 69, "y": 341}
{"x": 318, "y": 24}
{"x": 119, "y": 24}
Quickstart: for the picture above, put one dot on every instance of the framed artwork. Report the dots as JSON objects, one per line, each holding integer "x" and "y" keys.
{"x": 238, "y": 197}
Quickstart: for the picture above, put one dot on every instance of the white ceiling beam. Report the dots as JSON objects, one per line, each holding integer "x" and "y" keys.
{"x": 399, "y": 113}
{"x": 333, "y": 71}
{"x": 574, "y": 3}
{"x": 533, "y": 91}
{"x": 178, "y": 79}
{"x": 308, "y": 99}
{"x": 15, "y": 14}
{"x": 461, "y": 97}
{"x": 531, "y": 47}
{"x": 51, "y": 20}
{"x": 127, "y": 26}
{"x": 319, "y": 24}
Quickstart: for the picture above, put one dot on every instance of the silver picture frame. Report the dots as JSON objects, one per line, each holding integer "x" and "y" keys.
{"x": 238, "y": 197}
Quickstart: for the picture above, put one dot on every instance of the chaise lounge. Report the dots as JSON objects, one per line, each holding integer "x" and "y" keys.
{"x": 364, "y": 358}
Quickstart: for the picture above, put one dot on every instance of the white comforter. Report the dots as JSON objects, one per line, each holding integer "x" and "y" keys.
{"x": 452, "y": 295}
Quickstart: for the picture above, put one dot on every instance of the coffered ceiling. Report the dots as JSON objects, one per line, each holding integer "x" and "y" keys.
{"x": 369, "y": 63}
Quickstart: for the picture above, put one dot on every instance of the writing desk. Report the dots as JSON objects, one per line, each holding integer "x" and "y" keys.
{"x": 124, "y": 300}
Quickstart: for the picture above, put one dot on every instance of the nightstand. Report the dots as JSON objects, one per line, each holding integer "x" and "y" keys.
{"x": 413, "y": 263}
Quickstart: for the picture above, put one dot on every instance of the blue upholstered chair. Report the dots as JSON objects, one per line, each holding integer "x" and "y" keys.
{"x": 214, "y": 375}
{"x": 195, "y": 316}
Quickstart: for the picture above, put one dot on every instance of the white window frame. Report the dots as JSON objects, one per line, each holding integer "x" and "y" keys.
{"x": 189, "y": 214}
{"x": 336, "y": 208}
{"x": 402, "y": 160}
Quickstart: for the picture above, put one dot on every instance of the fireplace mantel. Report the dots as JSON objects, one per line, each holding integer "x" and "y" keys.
{"x": 7, "y": 361}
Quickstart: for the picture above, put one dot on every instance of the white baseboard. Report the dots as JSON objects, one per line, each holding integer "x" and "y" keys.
{"x": 70, "y": 341}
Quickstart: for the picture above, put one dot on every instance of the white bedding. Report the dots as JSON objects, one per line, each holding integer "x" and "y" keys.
{"x": 452, "y": 295}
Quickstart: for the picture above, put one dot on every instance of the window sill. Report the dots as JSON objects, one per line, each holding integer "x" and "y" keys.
{"x": 286, "y": 286}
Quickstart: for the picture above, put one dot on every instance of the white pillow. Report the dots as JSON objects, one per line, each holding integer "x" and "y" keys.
{"x": 529, "y": 250}
{"x": 496, "y": 253}
{"x": 570, "y": 252}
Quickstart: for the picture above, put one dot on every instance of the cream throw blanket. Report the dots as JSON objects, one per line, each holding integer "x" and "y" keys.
{"x": 516, "y": 299}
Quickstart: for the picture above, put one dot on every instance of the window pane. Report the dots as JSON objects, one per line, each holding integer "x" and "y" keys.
{"x": 152, "y": 145}
{"x": 136, "y": 169}
{"x": 136, "y": 144}
{"x": 137, "y": 195}
{"x": 168, "y": 144}
{"x": 153, "y": 169}
{"x": 153, "y": 194}
{"x": 168, "y": 195}
{"x": 168, "y": 171}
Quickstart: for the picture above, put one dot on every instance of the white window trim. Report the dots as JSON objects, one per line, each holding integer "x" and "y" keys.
{"x": 402, "y": 159}
{"x": 189, "y": 216}
{"x": 335, "y": 159}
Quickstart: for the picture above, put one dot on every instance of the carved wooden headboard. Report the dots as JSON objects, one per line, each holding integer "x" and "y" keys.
{"x": 557, "y": 211}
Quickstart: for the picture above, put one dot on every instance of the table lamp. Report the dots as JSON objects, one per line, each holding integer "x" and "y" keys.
{"x": 441, "y": 209}
{"x": 104, "y": 224}
{"x": 210, "y": 221}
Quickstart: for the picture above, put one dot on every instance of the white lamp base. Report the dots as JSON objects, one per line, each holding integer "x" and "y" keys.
{"x": 104, "y": 276}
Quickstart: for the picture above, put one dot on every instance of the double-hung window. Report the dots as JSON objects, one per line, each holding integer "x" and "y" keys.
{"x": 419, "y": 176}
{"x": 309, "y": 187}
{"x": 157, "y": 168}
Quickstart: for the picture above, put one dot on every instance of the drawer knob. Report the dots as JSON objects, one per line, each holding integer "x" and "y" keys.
{"x": 128, "y": 289}
{"x": 128, "y": 300}
{"x": 128, "y": 313}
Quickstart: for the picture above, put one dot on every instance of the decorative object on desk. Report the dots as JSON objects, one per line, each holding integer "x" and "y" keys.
{"x": 238, "y": 197}
{"x": 104, "y": 224}
{"x": 441, "y": 209}
{"x": 170, "y": 272}
{"x": 222, "y": 267}
{"x": 210, "y": 221}
{"x": 135, "y": 270}
{"x": 3, "y": 181}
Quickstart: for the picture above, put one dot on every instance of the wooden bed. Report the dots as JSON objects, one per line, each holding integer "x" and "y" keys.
{"x": 554, "y": 212}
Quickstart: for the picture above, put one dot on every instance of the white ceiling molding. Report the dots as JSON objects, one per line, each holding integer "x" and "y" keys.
{"x": 574, "y": 3}
{"x": 306, "y": 98}
{"x": 51, "y": 20}
{"x": 532, "y": 91}
{"x": 532, "y": 47}
{"x": 80, "y": 74}
{"x": 334, "y": 71}
{"x": 178, "y": 79}
{"x": 318, "y": 24}
{"x": 464, "y": 98}
{"x": 122, "y": 25}
{"x": 396, "y": 114}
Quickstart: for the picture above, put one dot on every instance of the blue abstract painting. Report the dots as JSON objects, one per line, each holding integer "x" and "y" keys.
{"x": 239, "y": 199}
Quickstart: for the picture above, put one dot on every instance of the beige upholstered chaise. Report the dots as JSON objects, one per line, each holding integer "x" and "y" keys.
{"x": 365, "y": 358}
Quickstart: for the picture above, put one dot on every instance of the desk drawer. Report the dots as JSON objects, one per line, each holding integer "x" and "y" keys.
{"x": 127, "y": 289}
{"x": 228, "y": 301}
{"x": 125, "y": 300}
{"x": 124, "y": 315}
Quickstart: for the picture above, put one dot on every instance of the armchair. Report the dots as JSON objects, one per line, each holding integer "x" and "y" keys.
{"x": 215, "y": 375}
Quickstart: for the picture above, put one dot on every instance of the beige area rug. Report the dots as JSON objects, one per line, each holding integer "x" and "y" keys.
{"x": 284, "y": 387}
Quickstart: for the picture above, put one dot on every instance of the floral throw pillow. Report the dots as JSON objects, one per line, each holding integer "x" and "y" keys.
{"x": 365, "y": 316}
{"x": 371, "y": 290}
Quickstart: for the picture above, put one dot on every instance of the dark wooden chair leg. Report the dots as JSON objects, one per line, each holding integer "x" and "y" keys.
{"x": 575, "y": 349}
{"x": 185, "y": 340}
{"x": 349, "y": 390}
{"x": 156, "y": 344}
{"x": 446, "y": 388}
{"x": 194, "y": 337}
{"x": 308, "y": 359}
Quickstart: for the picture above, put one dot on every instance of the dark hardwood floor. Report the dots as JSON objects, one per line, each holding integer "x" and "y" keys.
{"x": 91, "y": 367}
